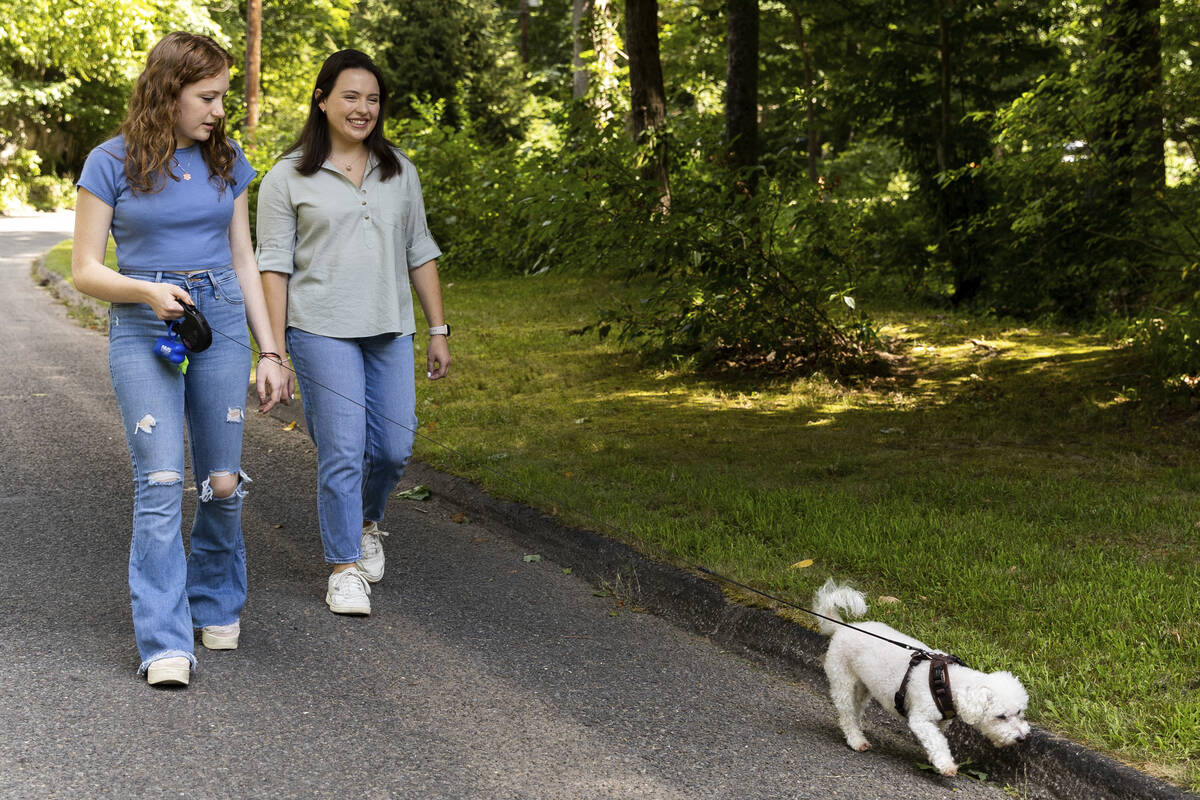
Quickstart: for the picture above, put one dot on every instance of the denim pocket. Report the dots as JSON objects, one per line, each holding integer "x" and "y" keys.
{"x": 227, "y": 287}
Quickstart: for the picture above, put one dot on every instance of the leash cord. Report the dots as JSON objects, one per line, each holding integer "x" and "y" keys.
{"x": 583, "y": 515}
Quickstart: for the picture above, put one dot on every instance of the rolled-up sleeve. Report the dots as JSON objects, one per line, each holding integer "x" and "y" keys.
{"x": 420, "y": 246}
{"x": 276, "y": 222}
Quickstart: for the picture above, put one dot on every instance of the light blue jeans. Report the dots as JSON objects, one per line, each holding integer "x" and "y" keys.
{"x": 360, "y": 406}
{"x": 173, "y": 594}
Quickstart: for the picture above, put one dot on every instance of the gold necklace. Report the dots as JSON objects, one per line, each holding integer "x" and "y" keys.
{"x": 187, "y": 171}
{"x": 349, "y": 165}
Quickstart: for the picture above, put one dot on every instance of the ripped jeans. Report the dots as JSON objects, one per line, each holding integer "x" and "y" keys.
{"x": 173, "y": 594}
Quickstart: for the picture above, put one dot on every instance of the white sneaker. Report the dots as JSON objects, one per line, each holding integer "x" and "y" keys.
{"x": 349, "y": 592}
{"x": 174, "y": 671}
{"x": 221, "y": 637}
{"x": 371, "y": 563}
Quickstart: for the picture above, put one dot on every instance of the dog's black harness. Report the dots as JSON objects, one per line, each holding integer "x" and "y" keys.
{"x": 939, "y": 682}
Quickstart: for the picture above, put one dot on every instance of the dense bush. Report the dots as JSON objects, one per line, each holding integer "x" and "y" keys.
{"x": 762, "y": 280}
{"x": 1170, "y": 345}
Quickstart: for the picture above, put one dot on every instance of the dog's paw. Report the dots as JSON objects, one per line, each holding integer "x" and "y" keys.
{"x": 858, "y": 743}
{"x": 949, "y": 771}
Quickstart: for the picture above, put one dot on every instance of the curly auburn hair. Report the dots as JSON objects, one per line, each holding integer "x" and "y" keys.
{"x": 149, "y": 129}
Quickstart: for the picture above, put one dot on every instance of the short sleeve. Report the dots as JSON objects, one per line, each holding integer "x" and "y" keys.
{"x": 276, "y": 222}
{"x": 243, "y": 173}
{"x": 420, "y": 245}
{"x": 103, "y": 175}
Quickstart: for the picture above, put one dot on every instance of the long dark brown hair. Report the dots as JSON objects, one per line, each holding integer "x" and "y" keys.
{"x": 177, "y": 60}
{"x": 314, "y": 144}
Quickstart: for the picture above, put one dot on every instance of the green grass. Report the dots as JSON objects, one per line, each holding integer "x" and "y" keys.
{"x": 58, "y": 258}
{"x": 1006, "y": 485}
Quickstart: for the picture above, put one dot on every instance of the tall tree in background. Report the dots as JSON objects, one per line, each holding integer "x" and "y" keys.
{"x": 812, "y": 133}
{"x": 647, "y": 96}
{"x": 741, "y": 87}
{"x": 253, "y": 64}
{"x": 580, "y": 42}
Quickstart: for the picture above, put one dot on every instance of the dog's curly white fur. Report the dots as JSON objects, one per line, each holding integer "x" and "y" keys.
{"x": 860, "y": 666}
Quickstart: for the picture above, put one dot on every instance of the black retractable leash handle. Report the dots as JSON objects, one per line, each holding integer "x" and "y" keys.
{"x": 193, "y": 329}
{"x": 189, "y": 333}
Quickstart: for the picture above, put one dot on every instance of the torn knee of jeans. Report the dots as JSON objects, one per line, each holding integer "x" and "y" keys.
{"x": 234, "y": 414}
{"x": 163, "y": 477}
{"x": 145, "y": 424}
{"x": 223, "y": 490}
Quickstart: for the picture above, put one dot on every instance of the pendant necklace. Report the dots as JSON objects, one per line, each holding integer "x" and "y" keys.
{"x": 187, "y": 171}
{"x": 349, "y": 165}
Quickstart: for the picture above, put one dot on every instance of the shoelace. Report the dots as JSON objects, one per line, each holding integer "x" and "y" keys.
{"x": 351, "y": 574}
{"x": 371, "y": 539}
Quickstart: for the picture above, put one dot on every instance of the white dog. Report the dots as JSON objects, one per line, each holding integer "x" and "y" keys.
{"x": 860, "y": 666}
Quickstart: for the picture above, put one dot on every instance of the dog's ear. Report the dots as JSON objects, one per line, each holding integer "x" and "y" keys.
{"x": 972, "y": 705}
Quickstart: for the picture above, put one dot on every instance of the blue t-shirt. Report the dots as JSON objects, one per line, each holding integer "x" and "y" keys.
{"x": 184, "y": 226}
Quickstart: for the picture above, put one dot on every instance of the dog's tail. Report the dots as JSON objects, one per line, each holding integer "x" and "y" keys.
{"x": 833, "y": 597}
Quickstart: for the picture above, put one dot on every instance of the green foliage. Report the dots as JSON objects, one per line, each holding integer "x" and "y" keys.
{"x": 1170, "y": 346}
{"x": 20, "y": 168}
{"x": 458, "y": 56}
{"x": 49, "y": 193}
{"x": 67, "y": 68}
{"x": 297, "y": 35}
{"x": 1076, "y": 235}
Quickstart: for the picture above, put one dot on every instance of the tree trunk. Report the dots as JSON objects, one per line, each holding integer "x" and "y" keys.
{"x": 523, "y": 14}
{"x": 957, "y": 198}
{"x": 741, "y": 86}
{"x": 945, "y": 139}
{"x": 581, "y": 41}
{"x": 253, "y": 64}
{"x": 1132, "y": 77}
{"x": 648, "y": 98}
{"x": 811, "y": 134}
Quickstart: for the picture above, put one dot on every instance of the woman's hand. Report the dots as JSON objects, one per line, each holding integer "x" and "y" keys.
{"x": 275, "y": 384}
{"x": 164, "y": 300}
{"x": 437, "y": 361}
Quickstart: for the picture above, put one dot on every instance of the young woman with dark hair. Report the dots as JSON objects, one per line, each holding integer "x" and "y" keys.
{"x": 172, "y": 190}
{"x": 342, "y": 243}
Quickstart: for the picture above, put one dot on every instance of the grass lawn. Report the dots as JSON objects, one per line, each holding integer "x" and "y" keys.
{"x": 1008, "y": 488}
{"x": 58, "y": 259}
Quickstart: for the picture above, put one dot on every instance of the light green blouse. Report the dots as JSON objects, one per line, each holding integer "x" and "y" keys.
{"x": 348, "y": 250}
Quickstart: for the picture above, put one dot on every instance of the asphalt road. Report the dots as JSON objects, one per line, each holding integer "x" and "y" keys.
{"x": 478, "y": 676}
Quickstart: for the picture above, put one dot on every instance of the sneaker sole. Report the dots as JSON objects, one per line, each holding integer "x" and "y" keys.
{"x": 168, "y": 676}
{"x": 359, "y": 610}
{"x": 217, "y": 642}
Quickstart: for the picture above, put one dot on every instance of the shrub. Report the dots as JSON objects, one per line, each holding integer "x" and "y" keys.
{"x": 1170, "y": 345}
{"x": 50, "y": 193}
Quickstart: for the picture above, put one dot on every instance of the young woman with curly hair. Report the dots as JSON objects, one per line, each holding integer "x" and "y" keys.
{"x": 171, "y": 187}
